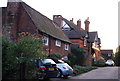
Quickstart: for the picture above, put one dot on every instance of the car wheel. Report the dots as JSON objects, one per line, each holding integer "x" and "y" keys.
{"x": 65, "y": 76}
{"x": 59, "y": 74}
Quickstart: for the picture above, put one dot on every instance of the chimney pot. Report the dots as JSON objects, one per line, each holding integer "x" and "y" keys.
{"x": 71, "y": 20}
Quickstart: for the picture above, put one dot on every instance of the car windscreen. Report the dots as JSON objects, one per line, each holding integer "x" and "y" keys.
{"x": 48, "y": 61}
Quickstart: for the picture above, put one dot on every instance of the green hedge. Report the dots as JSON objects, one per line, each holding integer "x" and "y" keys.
{"x": 100, "y": 63}
{"x": 82, "y": 69}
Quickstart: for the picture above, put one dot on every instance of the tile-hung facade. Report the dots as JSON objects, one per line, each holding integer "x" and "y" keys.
{"x": 19, "y": 17}
{"x": 77, "y": 35}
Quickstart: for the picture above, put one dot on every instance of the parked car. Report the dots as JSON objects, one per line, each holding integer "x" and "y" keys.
{"x": 46, "y": 69}
{"x": 109, "y": 62}
{"x": 64, "y": 69}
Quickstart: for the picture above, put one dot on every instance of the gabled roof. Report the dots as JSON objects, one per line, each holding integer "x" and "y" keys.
{"x": 75, "y": 32}
{"x": 92, "y": 36}
{"x": 106, "y": 51}
{"x": 44, "y": 24}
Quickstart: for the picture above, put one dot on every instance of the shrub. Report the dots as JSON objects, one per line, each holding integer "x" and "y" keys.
{"x": 82, "y": 69}
{"x": 56, "y": 55}
{"x": 100, "y": 62}
{"x": 77, "y": 56}
{"x": 20, "y": 54}
{"x": 117, "y": 57}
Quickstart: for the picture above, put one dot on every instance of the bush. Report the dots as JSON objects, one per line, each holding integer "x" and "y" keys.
{"x": 77, "y": 56}
{"x": 20, "y": 54}
{"x": 82, "y": 69}
{"x": 117, "y": 57}
{"x": 100, "y": 62}
{"x": 56, "y": 55}
{"x": 72, "y": 59}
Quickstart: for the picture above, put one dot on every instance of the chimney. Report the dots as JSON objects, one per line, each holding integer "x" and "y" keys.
{"x": 79, "y": 24}
{"x": 71, "y": 20}
{"x": 13, "y": 8}
{"x": 58, "y": 20}
{"x": 87, "y": 22}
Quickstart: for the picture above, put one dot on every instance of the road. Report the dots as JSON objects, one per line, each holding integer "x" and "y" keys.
{"x": 100, "y": 74}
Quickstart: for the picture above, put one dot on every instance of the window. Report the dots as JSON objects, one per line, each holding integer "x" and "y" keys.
{"x": 58, "y": 43}
{"x": 85, "y": 42}
{"x": 66, "y": 46}
{"x": 45, "y": 40}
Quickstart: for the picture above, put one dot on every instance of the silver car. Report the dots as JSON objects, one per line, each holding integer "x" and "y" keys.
{"x": 64, "y": 69}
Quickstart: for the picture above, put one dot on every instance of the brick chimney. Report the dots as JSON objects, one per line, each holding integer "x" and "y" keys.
{"x": 58, "y": 20}
{"x": 71, "y": 20}
{"x": 12, "y": 17}
{"x": 87, "y": 22}
{"x": 79, "y": 24}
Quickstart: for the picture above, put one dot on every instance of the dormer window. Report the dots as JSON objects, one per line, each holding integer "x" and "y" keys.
{"x": 58, "y": 43}
{"x": 45, "y": 40}
{"x": 66, "y": 46}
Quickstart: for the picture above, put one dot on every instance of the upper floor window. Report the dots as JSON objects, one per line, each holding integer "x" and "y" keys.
{"x": 58, "y": 43}
{"x": 45, "y": 40}
{"x": 66, "y": 46}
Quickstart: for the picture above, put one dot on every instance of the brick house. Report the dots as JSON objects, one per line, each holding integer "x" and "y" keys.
{"x": 19, "y": 17}
{"x": 107, "y": 53}
{"x": 81, "y": 38}
{"x": 77, "y": 35}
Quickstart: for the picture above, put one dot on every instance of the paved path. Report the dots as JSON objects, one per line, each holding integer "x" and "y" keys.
{"x": 101, "y": 73}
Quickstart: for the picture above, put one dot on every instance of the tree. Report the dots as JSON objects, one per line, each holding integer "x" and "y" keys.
{"x": 77, "y": 56}
{"x": 24, "y": 50}
{"x": 117, "y": 56}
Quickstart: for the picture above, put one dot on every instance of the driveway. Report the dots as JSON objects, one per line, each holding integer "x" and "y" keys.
{"x": 100, "y": 73}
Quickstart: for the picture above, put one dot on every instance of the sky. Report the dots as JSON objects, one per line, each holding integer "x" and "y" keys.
{"x": 103, "y": 15}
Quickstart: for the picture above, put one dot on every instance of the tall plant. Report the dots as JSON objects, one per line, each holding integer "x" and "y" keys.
{"x": 27, "y": 48}
{"x": 77, "y": 56}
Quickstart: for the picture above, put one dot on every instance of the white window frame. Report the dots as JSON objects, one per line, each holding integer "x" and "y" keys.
{"x": 45, "y": 40}
{"x": 66, "y": 46}
{"x": 58, "y": 43}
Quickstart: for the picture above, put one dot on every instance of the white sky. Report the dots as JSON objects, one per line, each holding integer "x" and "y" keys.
{"x": 103, "y": 15}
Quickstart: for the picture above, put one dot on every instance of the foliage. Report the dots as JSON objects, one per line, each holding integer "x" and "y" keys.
{"x": 9, "y": 63}
{"x": 72, "y": 58}
{"x": 25, "y": 50}
{"x": 68, "y": 62}
{"x": 82, "y": 69}
{"x": 57, "y": 55}
{"x": 100, "y": 62}
{"x": 77, "y": 56}
{"x": 117, "y": 57}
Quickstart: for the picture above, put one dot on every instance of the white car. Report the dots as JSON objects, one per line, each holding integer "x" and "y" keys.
{"x": 110, "y": 62}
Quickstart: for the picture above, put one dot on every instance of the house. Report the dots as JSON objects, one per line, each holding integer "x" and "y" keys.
{"x": 94, "y": 43}
{"x": 77, "y": 35}
{"x": 19, "y": 17}
{"x": 107, "y": 53}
